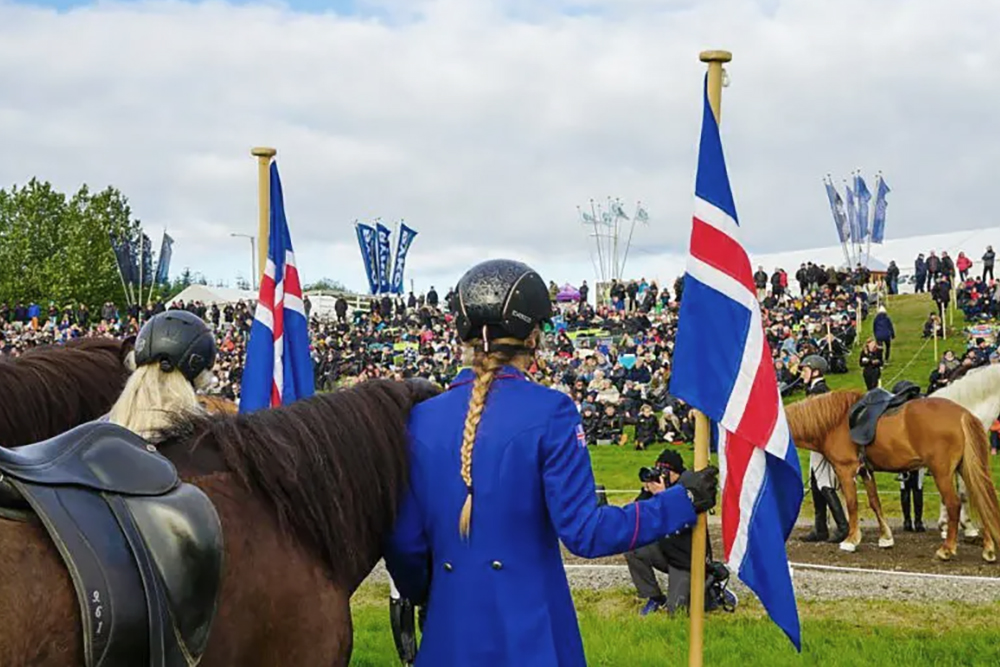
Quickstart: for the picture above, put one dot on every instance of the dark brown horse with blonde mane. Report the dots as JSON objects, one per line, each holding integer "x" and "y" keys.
{"x": 935, "y": 433}
{"x": 50, "y": 389}
{"x": 306, "y": 494}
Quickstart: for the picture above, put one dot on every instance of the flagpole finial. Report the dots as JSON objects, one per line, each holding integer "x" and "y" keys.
{"x": 263, "y": 151}
{"x": 715, "y": 56}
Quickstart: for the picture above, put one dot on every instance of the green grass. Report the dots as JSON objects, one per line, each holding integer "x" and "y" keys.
{"x": 834, "y": 633}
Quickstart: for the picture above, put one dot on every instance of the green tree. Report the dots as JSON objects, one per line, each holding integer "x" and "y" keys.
{"x": 54, "y": 248}
{"x": 327, "y": 284}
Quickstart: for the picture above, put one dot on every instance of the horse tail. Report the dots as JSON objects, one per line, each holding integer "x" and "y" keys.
{"x": 975, "y": 470}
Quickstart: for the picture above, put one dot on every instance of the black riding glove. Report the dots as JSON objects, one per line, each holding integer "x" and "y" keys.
{"x": 702, "y": 487}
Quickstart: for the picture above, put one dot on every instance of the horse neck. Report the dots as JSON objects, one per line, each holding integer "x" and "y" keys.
{"x": 811, "y": 420}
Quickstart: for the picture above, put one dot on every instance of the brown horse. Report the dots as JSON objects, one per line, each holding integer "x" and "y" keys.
{"x": 935, "y": 433}
{"x": 306, "y": 494}
{"x": 51, "y": 389}
{"x": 217, "y": 405}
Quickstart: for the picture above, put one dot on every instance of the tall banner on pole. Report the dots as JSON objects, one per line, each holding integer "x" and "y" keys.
{"x": 384, "y": 256}
{"x": 163, "y": 261}
{"x": 878, "y": 221}
{"x": 406, "y": 236}
{"x": 366, "y": 241}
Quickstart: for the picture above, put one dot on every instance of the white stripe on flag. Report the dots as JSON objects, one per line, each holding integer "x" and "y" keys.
{"x": 721, "y": 282}
{"x": 279, "y": 366}
{"x": 716, "y": 217}
{"x": 264, "y": 315}
{"x": 753, "y": 480}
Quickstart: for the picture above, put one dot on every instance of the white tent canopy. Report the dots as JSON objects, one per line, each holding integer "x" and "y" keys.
{"x": 210, "y": 295}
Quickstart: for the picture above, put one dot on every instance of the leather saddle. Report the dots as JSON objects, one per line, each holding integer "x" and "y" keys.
{"x": 862, "y": 419}
{"x": 143, "y": 548}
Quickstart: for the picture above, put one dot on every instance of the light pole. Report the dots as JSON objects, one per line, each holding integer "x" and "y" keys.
{"x": 253, "y": 257}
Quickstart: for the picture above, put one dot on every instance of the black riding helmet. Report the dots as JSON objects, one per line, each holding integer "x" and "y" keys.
{"x": 506, "y": 297}
{"x": 177, "y": 340}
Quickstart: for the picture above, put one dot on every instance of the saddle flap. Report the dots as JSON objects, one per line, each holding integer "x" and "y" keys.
{"x": 183, "y": 535}
{"x": 99, "y": 455}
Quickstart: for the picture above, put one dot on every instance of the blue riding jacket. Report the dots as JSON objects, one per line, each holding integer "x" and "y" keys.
{"x": 502, "y": 598}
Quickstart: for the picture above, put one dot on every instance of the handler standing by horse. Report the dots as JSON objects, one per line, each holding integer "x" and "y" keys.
{"x": 822, "y": 478}
{"x": 490, "y": 572}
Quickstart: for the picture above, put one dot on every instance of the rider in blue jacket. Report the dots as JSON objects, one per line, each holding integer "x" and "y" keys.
{"x": 499, "y": 474}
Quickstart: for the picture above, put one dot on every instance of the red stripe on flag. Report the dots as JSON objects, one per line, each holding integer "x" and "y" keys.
{"x": 722, "y": 252}
{"x": 275, "y": 394}
{"x": 292, "y": 284}
{"x": 761, "y": 413}
{"x": 738, "y": 453}
{"x": 267, "y": 292}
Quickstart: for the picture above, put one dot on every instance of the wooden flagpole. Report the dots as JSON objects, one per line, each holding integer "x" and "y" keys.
{"x": 702, "y": 433}
{"x": 263, "y": 156}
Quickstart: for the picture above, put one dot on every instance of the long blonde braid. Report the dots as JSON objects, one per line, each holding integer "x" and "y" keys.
{"x": 485, "y": 365}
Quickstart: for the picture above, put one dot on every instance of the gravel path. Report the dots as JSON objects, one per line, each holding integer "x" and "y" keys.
{"x": 810, "y": 584}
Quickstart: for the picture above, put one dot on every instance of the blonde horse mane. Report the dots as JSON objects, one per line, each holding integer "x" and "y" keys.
{"x": 978, "y": 392}
{"x": 812, "y": 419}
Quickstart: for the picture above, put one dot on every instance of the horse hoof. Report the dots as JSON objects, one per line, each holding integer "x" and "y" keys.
{"x": 989, "y": 556}
{"x": 944, "y": 554}
{"x": 972, "y": 533}
{"x": 849, "y": 547}
{"x": 886, "y": 543}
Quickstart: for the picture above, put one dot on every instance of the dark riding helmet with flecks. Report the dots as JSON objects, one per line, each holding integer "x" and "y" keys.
{"x": 177, "y": 340}
{"x": 815, "y": 362}
{"x": 500, "y": 298}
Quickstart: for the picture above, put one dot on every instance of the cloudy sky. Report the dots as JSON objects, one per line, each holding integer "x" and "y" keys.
{"x": 484, "y": 123}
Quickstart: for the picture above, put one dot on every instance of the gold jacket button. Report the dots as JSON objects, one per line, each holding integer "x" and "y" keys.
{"x": 497, "y": 565}
{"x": 447, "y": 567}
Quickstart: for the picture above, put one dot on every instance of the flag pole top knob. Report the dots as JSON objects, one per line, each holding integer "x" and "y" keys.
{"x": 263, "y": 151}
{"x": 715, "y": 56}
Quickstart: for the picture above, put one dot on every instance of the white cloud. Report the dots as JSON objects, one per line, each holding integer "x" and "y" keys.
{"x": 484, "y": 124}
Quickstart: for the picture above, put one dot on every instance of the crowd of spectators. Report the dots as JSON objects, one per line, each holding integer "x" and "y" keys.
{"x": 614, "y": 359}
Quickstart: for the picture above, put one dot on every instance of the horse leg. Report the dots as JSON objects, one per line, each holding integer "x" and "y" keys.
{"x": 949, "y": 498}
{"x": 885, "y": 539}
{"x": 847, "y": 483}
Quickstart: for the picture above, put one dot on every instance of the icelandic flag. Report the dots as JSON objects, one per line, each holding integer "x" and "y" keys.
{"x": 278, "y": 367}
{"x": 878, "y": 220}
{"x": 366, "y": 240}
{"x": 406, "y": 236}
{"x": 864, "y": 196}
{"x": 722, "y": 366}
{"x": 383, "y": 256}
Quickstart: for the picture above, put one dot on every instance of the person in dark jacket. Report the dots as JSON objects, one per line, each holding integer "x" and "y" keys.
{"x": 647, "y": 427}
{"x": 760, "y": 282}
{"x": 988, "y": 257}
{"x": 671, "y": 554}
{"x": 920, "y": 273}
{"x": 871, "y": 363}
{"x": 883, "y": 331}
{"x": 933, "y": 269}
{"x": 823, "y": 481}
{"x": 610, "y": 426}
{"x": 892, "y": 278}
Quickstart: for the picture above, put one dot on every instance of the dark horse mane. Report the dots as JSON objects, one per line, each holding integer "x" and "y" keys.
{"x": 51, "y": 389}
{"x": 333, "y": 466}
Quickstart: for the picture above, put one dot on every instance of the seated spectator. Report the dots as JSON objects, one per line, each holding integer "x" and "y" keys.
{"x": 647, "y": 427}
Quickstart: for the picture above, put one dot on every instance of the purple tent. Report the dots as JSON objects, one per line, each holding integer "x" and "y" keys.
{"x": 568, "y": 293}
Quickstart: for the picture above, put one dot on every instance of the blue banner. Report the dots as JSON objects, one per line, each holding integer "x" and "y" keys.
{"x": 878, "y": 221}
{"x": 864, "y": 196}
{"x": 147, "y": 260}
{"x": 839, "y": 217}
{"x": 383, "y": 256}
{"x": 852, "y": 216}
{"x": 163, "y": 262}
{"x": 406, "y": 236}
{"x": 366, "y": 240}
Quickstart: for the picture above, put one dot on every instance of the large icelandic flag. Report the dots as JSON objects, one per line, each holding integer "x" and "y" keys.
{"x": 278, "y": 367}
{"x": 722, "y": 366}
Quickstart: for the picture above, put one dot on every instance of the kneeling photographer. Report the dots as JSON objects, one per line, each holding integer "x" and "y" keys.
{"x": 672, "y": 554}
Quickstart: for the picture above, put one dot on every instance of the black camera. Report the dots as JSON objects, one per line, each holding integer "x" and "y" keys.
{"x": 647, "y": 474}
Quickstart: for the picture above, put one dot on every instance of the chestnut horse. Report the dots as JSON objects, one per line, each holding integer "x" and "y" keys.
{"x": 50, "y": 389}
{"x": 306, "y": 493}
{"x": 935, "y": 433}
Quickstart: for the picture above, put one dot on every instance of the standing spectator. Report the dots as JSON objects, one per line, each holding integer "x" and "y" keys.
{"x": 871, "y": 363}
{"x": 941, "y": 293}
{"x": 760, "y": 282}
{"x": 892, "y": 277}
{"x": 947, "y": 266}
{"x": 988, "y": 258}
{"x": 920, "y": 273}
{"x": 883, "y": 331}
{"x": 933, "y": 269}
{"x": 963, "y": 264}
{"x": 584, "y": 292}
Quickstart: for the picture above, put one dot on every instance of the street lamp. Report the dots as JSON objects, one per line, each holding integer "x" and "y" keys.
{"x": 253, "y": 257}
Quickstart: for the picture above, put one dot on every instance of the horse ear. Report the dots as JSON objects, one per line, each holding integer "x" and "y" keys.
{"x": 421, "y": 389}
{"x": 127, "y": 353}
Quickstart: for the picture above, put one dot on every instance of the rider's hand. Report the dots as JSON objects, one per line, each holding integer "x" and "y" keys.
{"x": 658, "y": 486}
